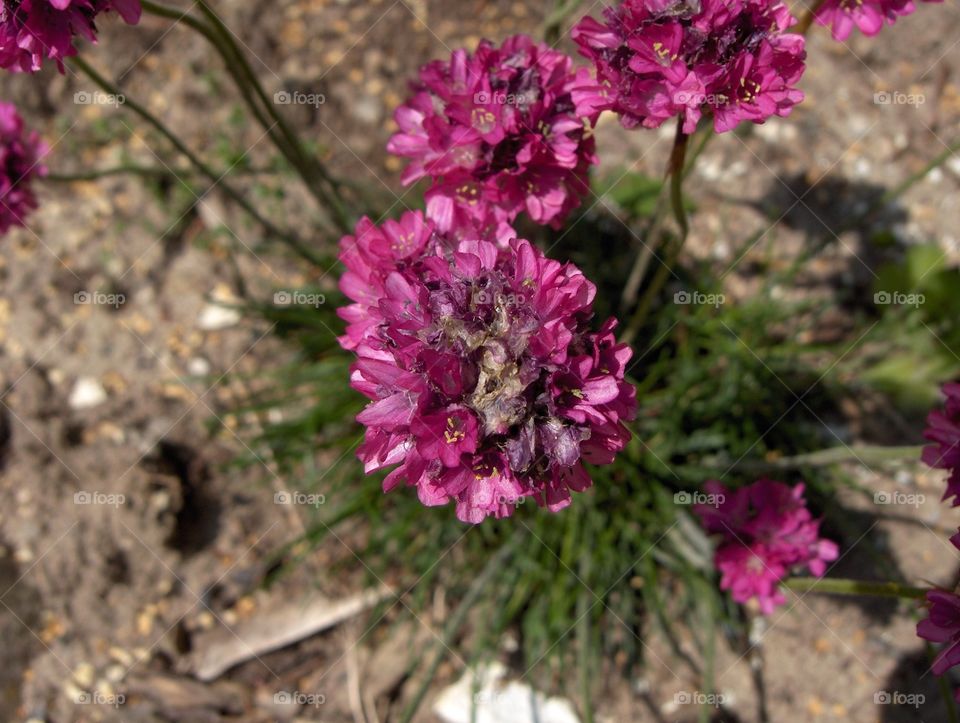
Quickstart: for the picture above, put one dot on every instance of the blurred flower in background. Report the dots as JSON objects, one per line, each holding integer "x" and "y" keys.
{"x": 765, "y": 532}
{"x": 34, "y": 30}
{"x": 21, "y": 156}
{"x": 943, "y": 428}
{"x": 868, "y": 15}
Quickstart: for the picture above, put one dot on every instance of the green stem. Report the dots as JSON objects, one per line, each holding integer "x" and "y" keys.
{"x": 554, "y": 22}
{"x": 677, "y": 164}
{"x": 911, "y": 181}
{"x": 217, "y": 179}
{"x": 134, "y": 170}
{"x": 318, "y": 181}
{"x": 806, "y": 21}
{"x": 837, "y": 455}
{"x": 264, "y": 111}
{"x": 674, "y": 177}
{"x": 837, "y": 586}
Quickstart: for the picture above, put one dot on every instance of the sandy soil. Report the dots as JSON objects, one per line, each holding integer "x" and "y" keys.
{"x": 125, "y": 537}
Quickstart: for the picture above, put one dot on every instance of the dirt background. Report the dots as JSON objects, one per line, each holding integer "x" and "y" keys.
{"x": 117, "y": 596}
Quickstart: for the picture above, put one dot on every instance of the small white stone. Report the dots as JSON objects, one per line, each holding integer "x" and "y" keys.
{"x": 214, "y": 317}
{"x": 485, "y": 693}
{"x": 198, "y": 367}
{"x": 87, "y": 393}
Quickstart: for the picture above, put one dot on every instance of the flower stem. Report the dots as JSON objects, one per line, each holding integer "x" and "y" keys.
{"x": 837, "y": 586}
{"x": 674, "y": 177}
{"x": 803, "y": 26}
{"x": 837, "y": 455}
{"x": 319, "y": 182}
{"x": 133, "y": 170}
{"x": 316, "y": 180}
{"x": 217, "y": 179}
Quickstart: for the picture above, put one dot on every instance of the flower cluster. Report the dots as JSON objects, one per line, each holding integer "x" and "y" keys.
{"x": 497, "y": 132}
{"x": 867, "y": 15}
{"x": 943, "y": 428}
{"x": 21, "y": 154}
{"x": 656, "y": 59}
{"x": 487, "y": 386}
{"x": 34, "y": 30}
{"x": 943, "y": 626}
{"x": 765, "y": 532}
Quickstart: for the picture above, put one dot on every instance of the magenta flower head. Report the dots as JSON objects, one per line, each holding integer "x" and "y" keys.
{"x": 765, "y": 532}
{"x": 943, "y": 429}
{"x": 943, "y": 626}
{"x": 21, "y": 154}
{"x": 498, "y": 132}
{"x": 487, "y": 385}
{"x": 656, "y": 59}
{"x": 867, "y": 15}
{"x": 34, "y": 30}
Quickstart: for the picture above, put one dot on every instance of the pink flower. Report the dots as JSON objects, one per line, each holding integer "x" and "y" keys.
{"x": 943, "y": 626}
{"x": 867, "y": 15}
{"x": 486, "y": 385}
{"x": 21, "y": 156}
{"x": 943, "y": 428}
{"x": 656, "y": 59}
{"x": 498, "y": 132}
{"x": 33, "y": 30}
{"x": 765, "y": 532}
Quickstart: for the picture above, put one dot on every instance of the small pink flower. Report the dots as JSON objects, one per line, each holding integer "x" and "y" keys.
{"x": 943, "y": 429}
{"x": 656, "y": 59}
{"x": 21, "y": 156}
{"x": 34, "y": 30}
{"x": 942, "y": 625}
{"x": 765, "y": 532}
{"x": 498, "y": 132}
{"x": 486, "y": 385}
{"x": 868, "y": 16}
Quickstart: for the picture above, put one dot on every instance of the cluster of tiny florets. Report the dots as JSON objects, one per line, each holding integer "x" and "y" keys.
{"x": 657, "y": 59}
{"x": 488, "y": 387}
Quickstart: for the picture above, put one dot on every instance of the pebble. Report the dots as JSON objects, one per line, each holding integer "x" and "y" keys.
{"x": 198, "y": 367}
{"x": 214, "y": 317}
{"x": 87, "y": 393}
{"x": 121, "y": 656}
{"x": 83, "y": 675}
